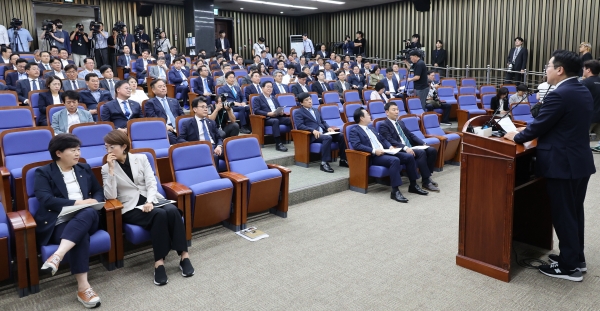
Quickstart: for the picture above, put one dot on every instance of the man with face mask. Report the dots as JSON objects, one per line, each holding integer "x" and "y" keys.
{"x": 67, "y": 43}
{"x": 56, "y": 37}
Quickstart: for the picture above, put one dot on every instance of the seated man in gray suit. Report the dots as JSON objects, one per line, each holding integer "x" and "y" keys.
{"x": 341, "y": 84}
{"x": 71, "y": 83}
{"x": 62, "y": 120}
{"x": 160, "y": 70}
{"x": 56, "y": 71}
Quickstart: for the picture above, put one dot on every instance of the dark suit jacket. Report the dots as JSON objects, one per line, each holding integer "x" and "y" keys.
{"x": 112, "y": 112}
{"x": 319, "y": 89}
{"x": 189, "y": 131}
{"x": 3, "y": 87}
{"x": 361, "y": 142}
{"x": 261, "y": 106}
{"x": 51, "y": 74}
{"x": 562, "y": 128}
{"x": 198, "y": 86}
{"x": 155, "y": 109}
{"x": 324, "y": 54}
{"x": 387, "y": 130}
{"x": 139, "y": 64}
{"x": 68, "y": 87}
{"x": 303, "y": 120}
{"x": 276, "y": 89}
{"x": 439, "y": 57}
{"x": 593, "y": 84}
{"x": 104, "y": 85}
{"x": 88, "y": 99}
{"x": 51, "y": 192}
{"x": 495, "y": 103}
{"x": 23, "y": 88}
{"x": 236, "y": 67}
{"x": 249, "y": 90}
{"x": 44, "y": 101}
{"x": 122, "y": 60}
{"x": 386, "y": 83}
{"x": 359, "y": 81}
{"x": 520, "y": 62}
{"x": 175, "y": 77}
{"x": 11, "y": 80}
{"x": 219, "y": 47}
{"x": 239, "y": 96}
{"x": 297, "y": 89}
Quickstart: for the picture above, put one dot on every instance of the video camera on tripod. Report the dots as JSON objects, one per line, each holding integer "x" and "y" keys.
{"x": 137, "y": 32}
{"x": 95, "y": 27}
{"x": 47, "y": 28}
{"x": 119, "y": 26}
{"x": 156, "y": 33}
{"x": 15, "y": 22}
{"x": 403, "y": 54}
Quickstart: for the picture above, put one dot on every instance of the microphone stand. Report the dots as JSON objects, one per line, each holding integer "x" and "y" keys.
{"x": 501, "y": 132}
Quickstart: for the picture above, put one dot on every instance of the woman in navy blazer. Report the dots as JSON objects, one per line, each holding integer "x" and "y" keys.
{"x": 52, "y": 97}
{"x": 66, "y": 182}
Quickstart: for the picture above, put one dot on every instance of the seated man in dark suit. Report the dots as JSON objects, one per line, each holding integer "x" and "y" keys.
{"x": 364, "y": 138}
{"x": 56, "y": 71}
{"x": 109, "y": 80}
{"x": 341, "y": 85}
{"x": 398, "y": 136}
{"x": 320, "y": 85}
{"x": 239, "y": 64}
{"x": 200, "y": 127}
{"x": 71, "y": 83}
{"x": 163, "y": 107}
{"x": 267, "y": 105}
{"x": 204, "y": 84}
{"x": 253, "y": 88}
{"x": 94, "y": 94}
{"x": 357, "y": 81}
{"x": 125, "y": 59}
{"x": 180, "y": 77}
{"x": 279, "y": 87}
{"x": 309, "y": 119}
{"x": 392, "y": 86}
{"x": 301, "y": 86}
{"x": 13, "y": 77}
{"x": 235, "y": 95}
{"x": 330, "y": 75}
{"x": 121, "y": 109}
{"x": 141, "y": 65}
{"x": 32, "y": 83}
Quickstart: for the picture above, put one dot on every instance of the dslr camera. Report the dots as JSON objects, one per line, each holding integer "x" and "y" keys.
{"x": 157, "y": 32}
{"x": 15, "y": 22}
{"x": 47, "y": 25}
{"x": 226, "y": 104}
{"x": 95, "y": 27}
{"x": 137, "y": 32}
{"x": 119, "y": 26}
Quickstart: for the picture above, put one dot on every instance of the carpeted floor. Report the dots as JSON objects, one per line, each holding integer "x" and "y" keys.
{"x": 348, "y": 251}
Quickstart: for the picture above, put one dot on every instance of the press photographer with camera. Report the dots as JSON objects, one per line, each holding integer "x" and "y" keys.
{"x": 433, "y": 101}
{"x": 124, "y": 39}
{"x": 142, "y": 39}
{"x": 67, "y": 43}
{"x": 348, "y": 46}
{"x": 99, "y": 43}
{"x": 19, "y": 37}
{"x": 162, "y": 42}
{"x": 79, "y": 45}
{"x": 51, "y": 35}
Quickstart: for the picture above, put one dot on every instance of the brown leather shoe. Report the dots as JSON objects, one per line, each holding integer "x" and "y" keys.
{"x": 89, "y": 298}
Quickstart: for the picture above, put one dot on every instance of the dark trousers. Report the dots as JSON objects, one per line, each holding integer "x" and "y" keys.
{"x": 393, "y": 165}
{"x": 243, "y": 113}
{"x": 166, "y": 228}
{"x": 78, "y": 231}
{"x": 567, "y": 197}
{"x": 231, "y": 129}
{"x": 275, "y": 122}
{"x": 425, "y": 160}
{"x": 422, "y": 94}
{"x": 445, "y": 110}
{"x": 513, "y": 77}
{"x": 410, "y": 164}
{"x": 172, "y": 137}
{"x": 102, "y": 57}
{"x": 183, "y": 89}
{"x": 326, "y": 141}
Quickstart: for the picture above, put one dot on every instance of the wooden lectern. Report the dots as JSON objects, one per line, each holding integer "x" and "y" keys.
{"x": 500, "y": 200}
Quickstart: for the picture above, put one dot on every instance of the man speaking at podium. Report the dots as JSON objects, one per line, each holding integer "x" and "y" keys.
{"x": 565, "y": 160}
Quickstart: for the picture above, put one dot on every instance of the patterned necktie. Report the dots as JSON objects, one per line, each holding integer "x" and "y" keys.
{"x": 170, "y": 116}
{"x": 74, "y": 85}
{"x": 258, "y": 89}
{"x": 205, "y": 130}
{"x": 406, "y": 141}
{"x": 111, "y": 87}
{"x": 312, "y": 112}
{"x": 127, "y": 113}
{"x": 324, "y": 87}
{"x": 233, "y": 92}
{"x": 206, "y": 88}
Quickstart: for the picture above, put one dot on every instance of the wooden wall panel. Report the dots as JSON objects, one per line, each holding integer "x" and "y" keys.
{"x": 248, "y": 27}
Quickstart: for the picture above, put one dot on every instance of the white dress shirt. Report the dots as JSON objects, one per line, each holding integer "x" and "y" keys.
{"x": 64, "y": 62}
{"x": 391, "y": 86}
{"x": 271, "y": 104}
{"x": 59, "y": 74}
{"x": 72, "y": 118}
{"x": 368, "y": 131}
{"x": 201, "y": 129}
{"x": 56, "y": 100}
{"x": 123, "y": 109}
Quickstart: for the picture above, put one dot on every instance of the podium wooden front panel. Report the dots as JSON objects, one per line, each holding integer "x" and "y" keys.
{"x": 499, "y": 201}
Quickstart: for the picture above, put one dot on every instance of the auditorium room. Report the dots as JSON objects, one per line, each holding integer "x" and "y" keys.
{"x": 299, "y": 154}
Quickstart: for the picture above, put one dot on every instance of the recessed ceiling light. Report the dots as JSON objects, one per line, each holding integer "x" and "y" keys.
{"x": 241, "y": 8}
{"x": 281, "y": 12}
{"x": 279, "y": 4}
{"x": 330, "y": 1}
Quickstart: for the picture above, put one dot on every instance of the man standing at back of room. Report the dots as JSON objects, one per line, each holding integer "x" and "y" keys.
{"x": 591, "y": 69}
{"x": 420, "y": 77}
{"x": 516, "y": 62}
{"x": 309, "y": 48}
{"x": 564, "y": 159}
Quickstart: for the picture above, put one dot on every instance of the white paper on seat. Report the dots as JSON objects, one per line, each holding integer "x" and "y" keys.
{"x": 70, "y": 209}
{"x": 391, "y": 151}
{"x": 331, "y": 133}
{"x": 419, "y": 147}
{"x": 507, "y": 125}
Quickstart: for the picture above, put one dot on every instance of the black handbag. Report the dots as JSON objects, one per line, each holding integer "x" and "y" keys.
{"x": 535, "y": 110}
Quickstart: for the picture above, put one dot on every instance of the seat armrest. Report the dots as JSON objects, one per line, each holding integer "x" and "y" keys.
{"x": 16, "y": 222}
{"x": 301, "y": 140}
{"x": 4, "y": 171}
{"x": 358, "y": 153}
{"x": 175, "y": 189}
{"x": 282, "y": 169}
{"x": 27, "y": 219}
{"x": 257, "y": 116}
{"x": 441, "y": 138}
{"x": 113, "y": 205}
{"x": 451, "y": 132}
{"x": 234, "y": 177}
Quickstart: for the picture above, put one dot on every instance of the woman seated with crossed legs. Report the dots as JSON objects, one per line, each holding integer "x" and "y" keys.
{"x": 129, "y": 178}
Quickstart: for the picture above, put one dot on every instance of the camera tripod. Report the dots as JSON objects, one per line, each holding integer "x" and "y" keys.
{"x": 16, "y": 42}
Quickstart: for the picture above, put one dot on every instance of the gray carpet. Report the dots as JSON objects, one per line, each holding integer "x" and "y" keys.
{"x": 347, "y": 251}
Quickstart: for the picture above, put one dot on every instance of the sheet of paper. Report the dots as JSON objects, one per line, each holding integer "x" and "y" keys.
{"x": 70, "y": 209}
{"x": 391, "y": 151}
{"x": 420, "y": 147}
{"x": 331, "y": 133}
{"x": 507, "y": 125}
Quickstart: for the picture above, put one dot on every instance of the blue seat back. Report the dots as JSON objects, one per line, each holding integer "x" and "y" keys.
{"x": 15, "y": 118}
{"x": 522, "y": 112}
{"x": 400, "y": 104}
{"x": 487, "y": 89}
{"x": 412, "y": 125}
{"x": 367, "y": 94}
{"x": 149, "y": 134}
{"x": 17, "y": 154}
{"x": 315, "y": 100}
{"x": 351, "y": 96}
{"x": 511, "y": 88}
{"x": 414, "y": 106}
{"x": 240, "y": 73}
{"x": 449, "y": 82}
{"x": 193, "y": 164}
{"x": 467, "y": 90}
{"x": 532, "y": 99}
{"x": 469, "y": 82}
{"x": 486, "y": 100}
{"x": 377, "y": 109}
{"x": 266, "y": 78}
{"x": 349, "y": 108}
{"x": 402, "y": 72}
{"x": 445, "y": 92}
{"x": 32, "y": 201}
{"x": 191, "y": 83}
{"x": 331, "y": 115}
{"x": 467, "y": 102}
{"x": 92, "y": 140}
{"x": 331, "y": 98}
{"x": 287, "y": 101}
{"x": 432, "y": 125}
{"x": 35, "y": 98}
{"x": 8, "y": 100}
{"x": 331, "y": 86}
{"x": 244, "y": 156}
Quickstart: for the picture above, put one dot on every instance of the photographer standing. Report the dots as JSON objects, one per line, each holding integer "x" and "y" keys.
{"x": 128, "y": 41}
{"x": 420, "y": 77}
{"x": 79, "y": 45}
{"x": 348, "y": 46}
{"x": 99, "y": 37}
{"x": 52, "y": 35}
{"x": 142, "y": 39}
{"x": 163, "y": 43}
{"x": 22, "y": 42}
{"x": 414, "y": 42}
